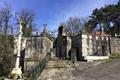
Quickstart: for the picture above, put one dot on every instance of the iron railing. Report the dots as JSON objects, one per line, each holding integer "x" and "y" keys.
{"x": 35, "y": 73}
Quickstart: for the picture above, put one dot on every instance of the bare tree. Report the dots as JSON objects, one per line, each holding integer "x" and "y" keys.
{"x": 5, "y": 16}
{"x": 28, "y": 21}
{"x": 5, "y": 39}
{"x": 11, "y": 29}
{"x": 86, "y": 27}
{"x": 1, "y": 26}
{"x": 73, "y": 25}
{"x": 36, "y": 29}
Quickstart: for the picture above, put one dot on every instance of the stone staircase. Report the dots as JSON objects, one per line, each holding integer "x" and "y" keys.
{"x": 58, "y": 70}
{"x": 65, "y": 70}
{"x": 60, "y": 64}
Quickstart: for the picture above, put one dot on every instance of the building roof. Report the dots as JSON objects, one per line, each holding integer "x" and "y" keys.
{"x": 46, "y": 34}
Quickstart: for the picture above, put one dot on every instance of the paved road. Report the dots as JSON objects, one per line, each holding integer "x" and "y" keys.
{"x": 82, "y": 71}
{"x": 106, "y": 71}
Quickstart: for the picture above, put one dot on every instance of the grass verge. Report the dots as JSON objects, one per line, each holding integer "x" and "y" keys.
{"x": 112, "y": 57}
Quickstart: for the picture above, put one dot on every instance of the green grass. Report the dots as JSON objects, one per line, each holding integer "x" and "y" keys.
{"x": 112, "y": 57}
{"x": 1, "y": 78}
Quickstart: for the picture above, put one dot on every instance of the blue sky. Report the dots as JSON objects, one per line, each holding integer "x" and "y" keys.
{"x": 52, "y": 12}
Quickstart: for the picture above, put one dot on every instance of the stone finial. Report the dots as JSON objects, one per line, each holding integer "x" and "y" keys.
{"x": 61, "y": 30}
{"x": 45, "y": 25}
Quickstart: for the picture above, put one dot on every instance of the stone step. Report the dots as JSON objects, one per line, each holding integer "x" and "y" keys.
{"x": 65, "y": 73}
{"x": 57, "y": 74}
{"x": 60, "y": 64}
{"x": 58, "y": 70}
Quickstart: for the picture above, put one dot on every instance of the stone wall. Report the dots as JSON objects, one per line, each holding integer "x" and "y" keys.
{"x": 77, "y": 44}
{"x": 37, "y": 45}
{"x": 63, "y": 44}
{"x": 115, "y": 45}
{"x": 36, "y": 49}
{"x": 90, "y": 45}
{"x": 33, "y": 50}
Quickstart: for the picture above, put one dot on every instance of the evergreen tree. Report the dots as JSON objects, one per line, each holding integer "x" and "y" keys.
{"x": 109, "y": 13}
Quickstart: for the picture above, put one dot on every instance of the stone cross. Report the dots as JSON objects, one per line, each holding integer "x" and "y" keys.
{"x": 17, "y": 69}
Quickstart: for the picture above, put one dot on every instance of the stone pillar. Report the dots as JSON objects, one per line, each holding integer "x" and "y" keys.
{"x": 17, "y": 69}
{"x": 90, "y": 45}
{"x": 68, "y": 46}
{"x": 73, "y": 55}
{"x": 19, "y": 47}
{"x": 84, "y": 45}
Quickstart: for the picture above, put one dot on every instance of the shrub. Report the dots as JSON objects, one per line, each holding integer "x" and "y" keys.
{"x": 1, "y": 78}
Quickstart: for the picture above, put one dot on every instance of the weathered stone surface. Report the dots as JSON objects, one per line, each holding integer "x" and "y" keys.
{"x": 115, "y": 45}
{"x": 60, "y": 64}
{"x": 84, "y": 71}
{"x": 35, "y": 48}
{"x": 66, "y": 72}
{"x": 58, "y": 70}
{"x": 63, "y": 44}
